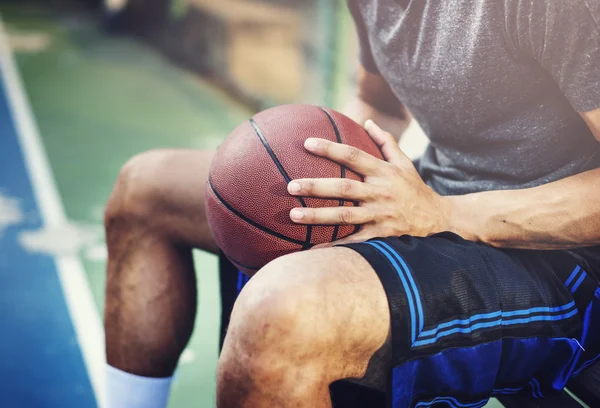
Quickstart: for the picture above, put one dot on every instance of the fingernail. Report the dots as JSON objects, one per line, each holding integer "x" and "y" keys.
{"x": 296, "y": 214}
{"x": 294, "y": 187}
{"x": 311, "y": 144}
{"x": 369, "y": 122}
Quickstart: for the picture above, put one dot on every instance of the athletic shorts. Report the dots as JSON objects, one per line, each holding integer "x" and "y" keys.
{"x": 469, "y": 321}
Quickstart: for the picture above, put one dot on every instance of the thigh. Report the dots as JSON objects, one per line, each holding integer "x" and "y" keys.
{"x": 470, "y": 321}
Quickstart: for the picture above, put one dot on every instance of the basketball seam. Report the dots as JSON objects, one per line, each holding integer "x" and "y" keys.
{"x": 307, "y": 244}
{"x": 338, "y": 138}
{"x": 251, "y": 222}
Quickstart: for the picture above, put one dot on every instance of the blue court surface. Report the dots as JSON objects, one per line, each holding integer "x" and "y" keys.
{"x": 51, "y": 353}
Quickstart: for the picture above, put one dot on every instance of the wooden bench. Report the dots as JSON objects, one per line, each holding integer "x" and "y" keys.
{"x": 255, "y": 47}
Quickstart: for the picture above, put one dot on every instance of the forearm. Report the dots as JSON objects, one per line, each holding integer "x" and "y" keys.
{"x": 558, "y": 215}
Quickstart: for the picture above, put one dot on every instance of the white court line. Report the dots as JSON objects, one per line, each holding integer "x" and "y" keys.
{"x": 75, "y": 286}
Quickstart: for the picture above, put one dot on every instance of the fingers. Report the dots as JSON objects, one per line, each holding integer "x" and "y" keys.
{"x": 331, "y": 215}
{"x": 386, "y": 143}
{"x": 349, "y": 156}
{"x": 330, "y": 188}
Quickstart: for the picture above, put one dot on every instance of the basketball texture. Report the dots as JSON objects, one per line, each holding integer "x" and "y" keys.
{"x": 247, "y": 202}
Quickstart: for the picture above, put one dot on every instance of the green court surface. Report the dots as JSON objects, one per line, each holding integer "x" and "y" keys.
{"x": 98, "y": 101}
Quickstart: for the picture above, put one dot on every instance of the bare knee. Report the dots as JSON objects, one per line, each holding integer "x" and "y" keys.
{"x": 267, "y": 320}
{"x": 162, "y": 191}
{"x": 135, "y": 192}
{"x": 294, "y": 323}
{"x": 271, "y": 343}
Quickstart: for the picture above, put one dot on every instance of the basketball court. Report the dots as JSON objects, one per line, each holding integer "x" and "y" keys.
{"x": 75, "y": 104}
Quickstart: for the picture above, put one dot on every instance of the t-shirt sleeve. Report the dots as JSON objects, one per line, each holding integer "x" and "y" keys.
{"x": 365, "y": 54}
{"x": 563, "y": 36}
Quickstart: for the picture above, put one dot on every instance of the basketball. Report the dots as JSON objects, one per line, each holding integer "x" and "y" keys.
{"x": 247, "y": 202}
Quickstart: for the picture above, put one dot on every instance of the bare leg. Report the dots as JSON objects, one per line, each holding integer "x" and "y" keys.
{"x": 154, "y": 217}
{"x": 304, "y": 321}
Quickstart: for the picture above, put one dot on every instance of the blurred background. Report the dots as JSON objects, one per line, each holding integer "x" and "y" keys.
{"x": 263, "y": 52}
{"x": 86, "y": 84}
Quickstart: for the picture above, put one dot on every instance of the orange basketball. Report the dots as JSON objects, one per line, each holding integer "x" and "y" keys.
{"x": 247, "y": 202}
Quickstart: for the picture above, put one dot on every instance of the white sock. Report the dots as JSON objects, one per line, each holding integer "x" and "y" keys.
{"x": 125, "y": 390}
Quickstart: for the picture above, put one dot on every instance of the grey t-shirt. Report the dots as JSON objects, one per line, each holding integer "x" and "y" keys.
{"x": 495, "y": 84}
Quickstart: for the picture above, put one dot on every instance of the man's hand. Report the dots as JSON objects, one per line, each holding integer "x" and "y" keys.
{"x": 393, "y": 198}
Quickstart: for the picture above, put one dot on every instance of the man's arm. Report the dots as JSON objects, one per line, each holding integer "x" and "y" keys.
{"x": 395, "y": 201}
{"x": 564, "y": 39}
{"x": 558, "y": 215}
{"x": 375, "y": 100}
{"x": 592, "y": 118}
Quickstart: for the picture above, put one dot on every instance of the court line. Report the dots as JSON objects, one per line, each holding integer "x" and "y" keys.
{"x": 75, "y": 286}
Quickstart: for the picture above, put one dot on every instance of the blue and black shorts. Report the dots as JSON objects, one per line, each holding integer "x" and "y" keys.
{"x": 470, "y": 321}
